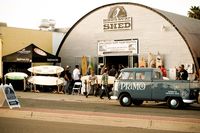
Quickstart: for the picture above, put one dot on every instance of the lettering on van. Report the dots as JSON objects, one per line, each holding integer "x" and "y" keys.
{"x": 172, "y": 93}
{"x": 140, "y": 86}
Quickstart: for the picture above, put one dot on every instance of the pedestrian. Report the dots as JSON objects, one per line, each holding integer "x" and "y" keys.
{"x": 197, "y": 75}
{"x": 112, "y": 71}
{"x": 76, "y": 75}
{"x": 182, "y": 73}
{"x": 92, "y": 84}
{"x": 62, "y": 87}
{"x": 163, "y": 70}
{"x": 69, "y": 80}
{"x": 120, "y": 67}
{"x": 104, "y": 83}
{"x": 102, "y": 69}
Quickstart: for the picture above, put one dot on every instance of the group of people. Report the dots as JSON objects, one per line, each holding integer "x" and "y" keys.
{"x": 100, "y": 89}
{"x": 105, "y": 72}
{"x": 181, "y": 73}
{"x": 93, "y": 84}
{"x": 70, "y": 78}
{"x": 113, "y": 71}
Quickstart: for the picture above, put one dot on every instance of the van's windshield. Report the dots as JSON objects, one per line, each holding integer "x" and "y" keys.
{"x": 126, "y": 75}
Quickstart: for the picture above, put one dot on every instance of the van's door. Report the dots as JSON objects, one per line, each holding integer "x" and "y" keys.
{"x": 161, "y": 88}
{"x": 143, "y": 84}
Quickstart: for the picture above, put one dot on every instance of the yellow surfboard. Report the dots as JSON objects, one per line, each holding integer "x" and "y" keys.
{"x": 84, "y": 65}
{"x": 142, "y": 62}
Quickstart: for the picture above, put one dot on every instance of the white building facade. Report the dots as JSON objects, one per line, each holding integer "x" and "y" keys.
{"x": 129, "y": 34}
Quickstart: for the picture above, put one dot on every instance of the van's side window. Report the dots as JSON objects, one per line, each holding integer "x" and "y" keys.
{"x": 131, "y": 76}
{"x": 126, "y": 75}
{"x": 157, "y": 75}
{"x": 140, "y": 76}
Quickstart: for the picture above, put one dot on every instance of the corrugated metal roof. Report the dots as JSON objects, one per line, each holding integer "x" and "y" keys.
{"x": 189, "y": 29}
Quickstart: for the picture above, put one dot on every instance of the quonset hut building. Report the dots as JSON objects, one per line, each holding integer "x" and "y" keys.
{"x": 130, "y": 33}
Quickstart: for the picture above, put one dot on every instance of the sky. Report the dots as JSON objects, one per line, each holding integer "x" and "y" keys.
{"x": 29, "y": 13}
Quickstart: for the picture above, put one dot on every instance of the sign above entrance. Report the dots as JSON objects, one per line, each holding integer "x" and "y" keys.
{"x": 117, "y": 20}
{"x": 118, "y": 47}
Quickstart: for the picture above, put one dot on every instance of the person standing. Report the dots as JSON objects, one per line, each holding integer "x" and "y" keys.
{"x": 112, "y": 71}
{"x": 76, "y": 74}
{"x": 68, "y": 78}
{"x": 61, "y": 89}
{"x": 197, "y": 75}
{"x": 102, "y": 69}
{"x": 92, "y": 84}
{"x": 163, "y": 70}
{"x": 120, "y": 67}
{"x": 104, "y": 83}
{"x": 182, "y": 74}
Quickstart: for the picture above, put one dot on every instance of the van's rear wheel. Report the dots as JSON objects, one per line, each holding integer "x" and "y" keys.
{"x": 125, "y": 100}
{"x": 174, "y": 103}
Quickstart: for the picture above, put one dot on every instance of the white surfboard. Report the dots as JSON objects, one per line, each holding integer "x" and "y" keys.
{"x": 45, "y": 80}
{"x": 16, "y": 75}
{"x": 46, "y": 69}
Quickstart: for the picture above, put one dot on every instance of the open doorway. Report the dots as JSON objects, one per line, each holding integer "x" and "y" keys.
{"x": 116, "y": 60}
{"x": 126, "y": 61}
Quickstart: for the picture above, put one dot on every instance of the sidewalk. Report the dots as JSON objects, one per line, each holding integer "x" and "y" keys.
{"x": 97, "y": 118}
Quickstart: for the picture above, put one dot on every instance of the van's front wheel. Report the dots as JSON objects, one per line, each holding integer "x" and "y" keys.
{"x": 125, "y": 100}
{"x": 174, "y": 103}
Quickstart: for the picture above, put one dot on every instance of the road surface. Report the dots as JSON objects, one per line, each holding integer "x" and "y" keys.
{"x": 10, "y": 125}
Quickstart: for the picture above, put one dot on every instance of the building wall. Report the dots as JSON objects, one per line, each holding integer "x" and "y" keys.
{"x": 56, "y": 39}
{"x": 155, "y": 34}
{"x": 15, "y": 39}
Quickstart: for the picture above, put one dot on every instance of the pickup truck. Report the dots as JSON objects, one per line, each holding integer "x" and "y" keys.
{"x": 135, "y": 85}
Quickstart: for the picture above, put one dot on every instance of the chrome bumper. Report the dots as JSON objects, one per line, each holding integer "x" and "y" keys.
{"x": 189, "y": 101}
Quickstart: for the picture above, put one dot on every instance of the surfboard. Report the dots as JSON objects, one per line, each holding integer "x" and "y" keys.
{"x": 46, "y": 69}
{"x": 16, "y": 75}
{"x": 151, "y": 60}
{"x": 45, "y": 80}
{"x": 84, "y": 65}
{"x": 142, "y": 62}
{"x": 158, "y": 60}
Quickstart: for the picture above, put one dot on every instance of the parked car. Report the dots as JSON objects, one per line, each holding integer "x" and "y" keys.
{"x": 135, "y": 85}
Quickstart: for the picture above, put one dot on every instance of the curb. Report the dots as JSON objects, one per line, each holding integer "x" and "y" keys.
{"x": 105, "y": 119}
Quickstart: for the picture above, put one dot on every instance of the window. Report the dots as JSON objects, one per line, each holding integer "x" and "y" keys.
{"x": 157, "y": 75}
{"x": 126, "y": 75}
{"x": 131, "y": 76}
{"x": 140, "y": 76}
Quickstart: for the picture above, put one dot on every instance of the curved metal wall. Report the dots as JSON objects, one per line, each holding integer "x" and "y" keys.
{"x": 72, "y": 43}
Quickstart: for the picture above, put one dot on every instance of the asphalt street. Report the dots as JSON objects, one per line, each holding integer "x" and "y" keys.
{"x": 94, "y": 113}
{"x": 10, "y": 125}
{"x": 150, "y": 108}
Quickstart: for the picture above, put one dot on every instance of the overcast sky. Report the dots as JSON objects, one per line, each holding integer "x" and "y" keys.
{"x": 29, "y": 13}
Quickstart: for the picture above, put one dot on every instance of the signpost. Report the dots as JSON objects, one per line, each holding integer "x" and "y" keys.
{"x": 9, "y": 96}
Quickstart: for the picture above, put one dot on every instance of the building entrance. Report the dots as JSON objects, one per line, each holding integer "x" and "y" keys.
{"x": 116, "y": 60}
{"x": 126, "y": 61}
